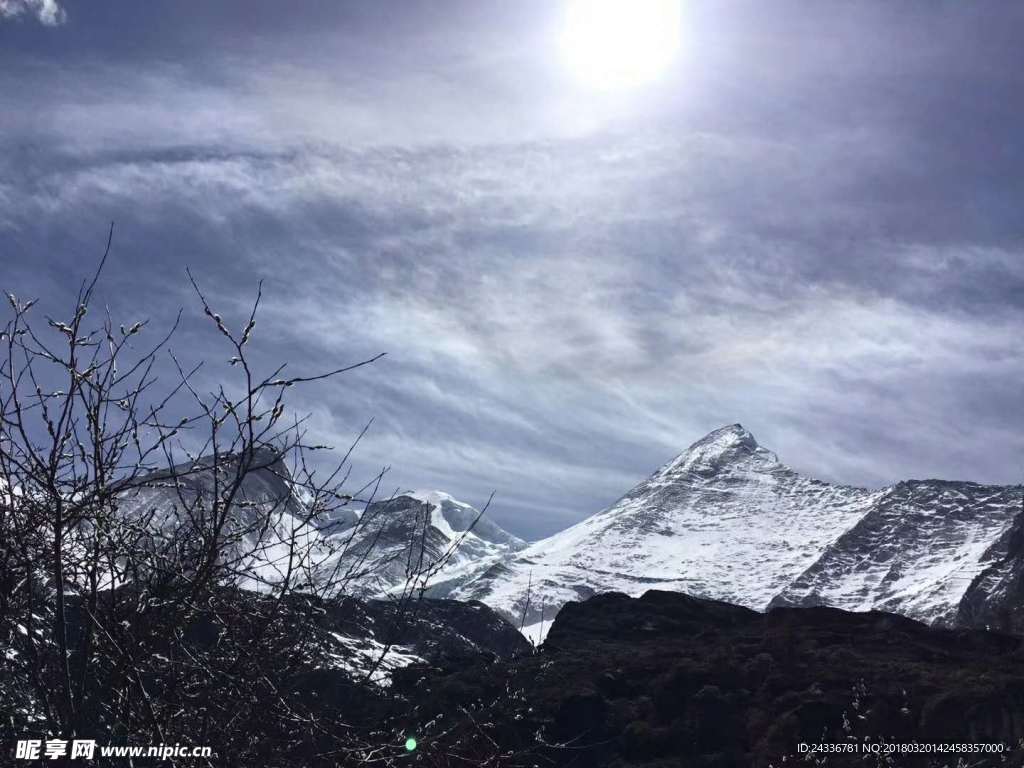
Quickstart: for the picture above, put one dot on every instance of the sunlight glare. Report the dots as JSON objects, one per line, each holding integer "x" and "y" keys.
{"x": 610, "y": 44}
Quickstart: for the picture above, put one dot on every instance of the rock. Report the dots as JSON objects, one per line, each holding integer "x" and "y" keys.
{"x": 668, "y": 679}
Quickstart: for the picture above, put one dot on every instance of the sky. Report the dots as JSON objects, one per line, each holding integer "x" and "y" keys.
{"x": 808, "y": 223}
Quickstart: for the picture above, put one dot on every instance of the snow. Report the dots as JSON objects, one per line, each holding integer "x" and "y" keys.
{"x": 434, "y": 498}
{"x": 725, "y": 519}
{"x": 722, "y": 520}
{"x": 358, "y": 655}
{"x": 449, "y": 530}
{"x": 536, "y": 632}
{"x": 269, "y": 554}
{"x": 914, "y": 552}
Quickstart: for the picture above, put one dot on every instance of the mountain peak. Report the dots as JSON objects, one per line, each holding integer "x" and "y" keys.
{"x": 722, "y": 447}
{"x": 455, "y": 518}
{"x": 727, "y": 437}
{"x": 434, "y": 498}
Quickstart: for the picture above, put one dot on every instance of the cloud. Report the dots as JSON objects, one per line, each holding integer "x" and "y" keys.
{"x": 562, "y": 317}
{"x": 47, "y": 12}
{"x": 821, "y": 245}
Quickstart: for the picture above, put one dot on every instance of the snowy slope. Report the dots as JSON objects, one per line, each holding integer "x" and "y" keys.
{"x": 995, "y": 599}
{"x": 727, "y": 520}
{"x": 915, "y": 551}
{"x": 378, "y": 546}
{"x": 425, "y": 531}
{"x": 164, "y": 502}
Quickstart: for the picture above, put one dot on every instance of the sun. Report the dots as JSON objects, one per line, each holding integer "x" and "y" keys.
{"x": 611, "y": 44}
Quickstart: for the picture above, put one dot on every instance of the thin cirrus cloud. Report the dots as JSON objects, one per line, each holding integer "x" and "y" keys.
{"x": 47, "y": 12}
{"x": 565, "y": 303}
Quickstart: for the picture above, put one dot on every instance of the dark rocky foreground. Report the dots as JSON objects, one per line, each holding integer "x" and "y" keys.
{"x": 670, "y": 680}
{"x": 661, "y": 680}
{"x": 312, "y": 685}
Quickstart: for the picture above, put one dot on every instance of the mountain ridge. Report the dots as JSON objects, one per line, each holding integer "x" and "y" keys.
{"x": 727, "y": 520}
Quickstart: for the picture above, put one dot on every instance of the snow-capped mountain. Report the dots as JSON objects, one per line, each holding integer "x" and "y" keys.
{"x": 916, "y": 551}
{"x": 411, "y": 539}
{"x": 419, "y": 538}
{"x": 995, "y": 598}
{"x": 266, "y": 515}
{"x": 727, "y": 520}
